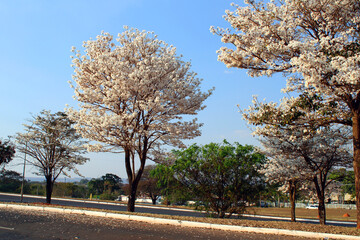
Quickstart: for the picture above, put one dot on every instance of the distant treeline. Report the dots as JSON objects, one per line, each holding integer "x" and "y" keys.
{"x": 107, "y": 187}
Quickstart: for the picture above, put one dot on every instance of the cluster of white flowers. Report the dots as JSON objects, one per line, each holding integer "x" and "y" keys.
{"x": 316, "y": 41}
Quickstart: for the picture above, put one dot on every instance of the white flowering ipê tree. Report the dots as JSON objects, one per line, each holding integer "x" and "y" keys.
{"x": 314, "y": 150}
{"x": 133, "y": 96}
{"x": 281, "y": 168}
{"x": 53, "y": 147}
{"x": 316, "y": 43}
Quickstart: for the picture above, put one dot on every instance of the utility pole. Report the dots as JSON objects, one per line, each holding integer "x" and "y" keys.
{"x": 23, "y": 176}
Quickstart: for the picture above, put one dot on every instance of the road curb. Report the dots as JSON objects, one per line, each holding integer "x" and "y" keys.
{"x": 181, "y": 223}
{"x": 175, "y": 209}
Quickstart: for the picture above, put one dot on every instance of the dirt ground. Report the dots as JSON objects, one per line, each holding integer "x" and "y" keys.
{"x": 252, "y": 223}
{"x": 36, "y": 225}
{"x": 336, "y": 214}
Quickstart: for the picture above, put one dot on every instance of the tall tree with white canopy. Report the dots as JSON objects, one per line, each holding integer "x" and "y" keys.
{"x": 315, "y": 43}
{"x": 134, "y": 95}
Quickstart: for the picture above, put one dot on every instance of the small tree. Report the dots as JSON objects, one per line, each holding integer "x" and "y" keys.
{"x": 96, "y": 186}
{"x": 134, "y": 96}
{"x": 7, "y": 152}
{"x": 288, "y": 134}
{"x": 148, "y": 185}
{"x": 10, "y": 181}
{"x": 286, "y": 171}
{"x": 172, "y": 191}
{"x": 346, "y": 180}
{"x": 107, "y": 186}
{"x": 53, "y": 145}
{"x": 112, "y": 182}
{"x": 223, "y": 177}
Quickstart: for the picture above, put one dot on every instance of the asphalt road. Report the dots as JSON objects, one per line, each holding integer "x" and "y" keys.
{"x": 111, "y": 206}
{"x": 36, "y": 225}
{"x": 151, "y": 209}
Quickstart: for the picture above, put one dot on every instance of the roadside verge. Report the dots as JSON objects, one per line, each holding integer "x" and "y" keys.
{"x": 181, "y": 223}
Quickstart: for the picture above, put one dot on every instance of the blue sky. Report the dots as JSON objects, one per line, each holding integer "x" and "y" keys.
{"x": 35, "y": 62}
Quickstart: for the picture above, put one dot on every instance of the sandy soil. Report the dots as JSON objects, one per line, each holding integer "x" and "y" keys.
{"x": 34, "y": 225}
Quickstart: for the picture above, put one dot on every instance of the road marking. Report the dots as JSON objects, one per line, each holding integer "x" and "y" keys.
{"x": 6, "y": 228}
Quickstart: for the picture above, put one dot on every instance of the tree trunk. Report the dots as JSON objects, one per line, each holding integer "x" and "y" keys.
{"x": 278, "y": 200}
{"x": 292, "y": 193}
{"x": 221, "y": 214}
{"x": 153, "y": 199}
{"x": 321, "y": 211}
{"x": 132, "y": 198}
{"x": 320, "y": 192}
{"x": 134, "y": 180}
{"x": 133, "y": 183}
{"x": 356, "y": 161}
{"x": 49, "y": 189}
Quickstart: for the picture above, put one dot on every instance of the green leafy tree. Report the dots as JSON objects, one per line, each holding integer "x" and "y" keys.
{"x": 35, "y": 188}
{"x": 74, "y": 190}
{"x": 148, "y": 184}
{"x": 111, "y": 182}
{"x": 7, "y": 152}
{"x": 84, "y": 181}
{"x": 10, "y": 181}
{"x": 272, "y": 193}
{"x": 107, "y": 186}
{"x": 171, "y": 189}
{"x": 346, "y": 179}
{"x": 223, "y": 177}
{"x": 96, "y": 186}
{"x": 79, "y": 191}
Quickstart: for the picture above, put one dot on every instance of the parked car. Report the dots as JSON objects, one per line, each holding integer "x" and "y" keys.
{"x": 313, "y": 206}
